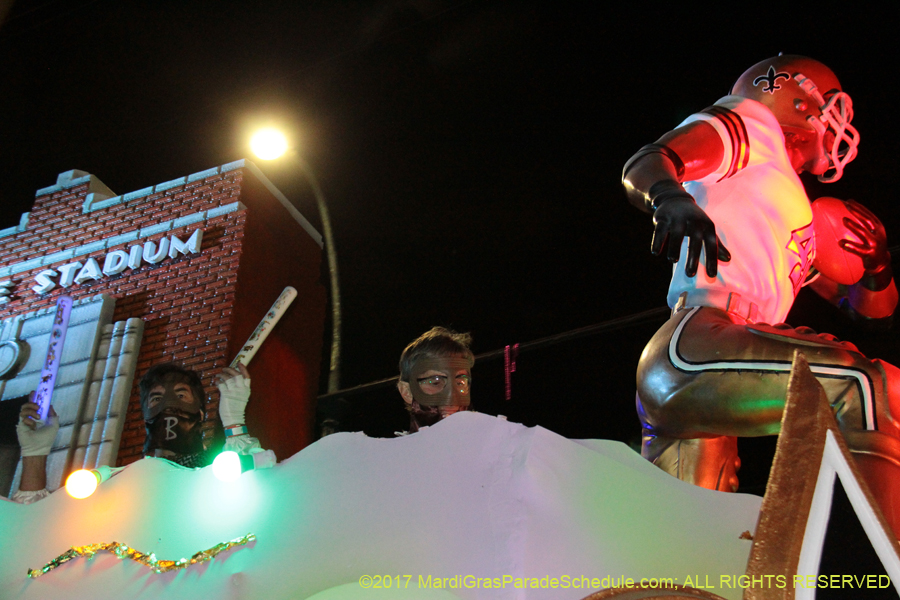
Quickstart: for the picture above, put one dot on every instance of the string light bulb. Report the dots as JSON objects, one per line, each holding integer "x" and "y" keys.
{"x": 229, "y": 465}
{"x": 83, "y": 482}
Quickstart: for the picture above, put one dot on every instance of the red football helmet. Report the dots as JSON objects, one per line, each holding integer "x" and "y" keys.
{"x": 805, "y": 95}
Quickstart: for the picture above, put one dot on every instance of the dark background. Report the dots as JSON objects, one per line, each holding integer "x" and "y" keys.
{"x": 470, "y": 152}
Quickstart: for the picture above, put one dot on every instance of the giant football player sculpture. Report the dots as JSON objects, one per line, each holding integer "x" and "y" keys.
{"x": 724, "y": 187}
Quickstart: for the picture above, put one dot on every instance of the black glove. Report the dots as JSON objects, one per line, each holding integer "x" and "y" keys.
{"x": 675, "y": 215}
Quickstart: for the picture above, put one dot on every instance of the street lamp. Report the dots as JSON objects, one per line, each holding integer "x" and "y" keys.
{"x": 269, "y": 144}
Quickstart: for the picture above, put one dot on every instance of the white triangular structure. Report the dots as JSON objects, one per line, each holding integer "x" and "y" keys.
{"x": 834, "y": 462}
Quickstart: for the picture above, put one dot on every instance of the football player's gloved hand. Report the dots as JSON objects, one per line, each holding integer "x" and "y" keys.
{"x": 676, "y": 215}
{"x": 872, "y": 244}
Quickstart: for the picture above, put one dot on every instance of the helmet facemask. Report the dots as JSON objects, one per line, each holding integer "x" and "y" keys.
{"x": 835, "y": 117}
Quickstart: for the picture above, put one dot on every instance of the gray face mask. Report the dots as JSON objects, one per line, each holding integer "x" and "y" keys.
{"x": 446, "y": 389}
{"x": 157, "y": 403}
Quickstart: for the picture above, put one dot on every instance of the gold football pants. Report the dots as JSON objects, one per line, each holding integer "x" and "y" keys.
{"x": 707, "y": 377}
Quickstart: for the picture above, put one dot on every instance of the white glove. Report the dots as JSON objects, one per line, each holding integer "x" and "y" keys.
{"x": 234, "y": 393}
{"x": 39, "y": 440}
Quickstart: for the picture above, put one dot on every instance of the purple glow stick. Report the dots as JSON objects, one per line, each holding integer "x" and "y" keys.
{"x": 44, "y": 392}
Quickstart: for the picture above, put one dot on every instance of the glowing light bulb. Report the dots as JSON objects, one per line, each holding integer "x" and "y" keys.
{"x": 268, "y": 144}
{"x": 82, "y": 483}
{"x": 227, "y": 466}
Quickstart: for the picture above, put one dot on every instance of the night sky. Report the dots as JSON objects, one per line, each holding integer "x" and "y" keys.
{"x": 470, "y": 153}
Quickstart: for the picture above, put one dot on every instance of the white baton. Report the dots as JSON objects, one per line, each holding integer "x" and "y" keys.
{"x": 262, "y": 331}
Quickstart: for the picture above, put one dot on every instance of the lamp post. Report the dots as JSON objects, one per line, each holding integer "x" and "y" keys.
{"x": 268, "y": 145}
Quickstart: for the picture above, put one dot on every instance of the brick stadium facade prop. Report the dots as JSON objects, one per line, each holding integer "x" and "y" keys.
{"x": 194, "y": 263}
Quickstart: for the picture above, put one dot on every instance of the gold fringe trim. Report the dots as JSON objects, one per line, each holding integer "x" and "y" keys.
{"x": 148, "y": 560}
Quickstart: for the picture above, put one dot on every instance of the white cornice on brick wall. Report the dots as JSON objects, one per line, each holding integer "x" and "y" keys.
{"x": 99, "y": 196}
{"x": 110, "y": 242}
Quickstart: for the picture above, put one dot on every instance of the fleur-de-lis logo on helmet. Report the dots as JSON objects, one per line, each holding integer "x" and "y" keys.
{"x": 771, "y": 79}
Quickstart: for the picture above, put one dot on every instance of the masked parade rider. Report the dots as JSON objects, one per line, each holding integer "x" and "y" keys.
{"x": 436, "y": 376}
{"x": 173, "y": 403}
